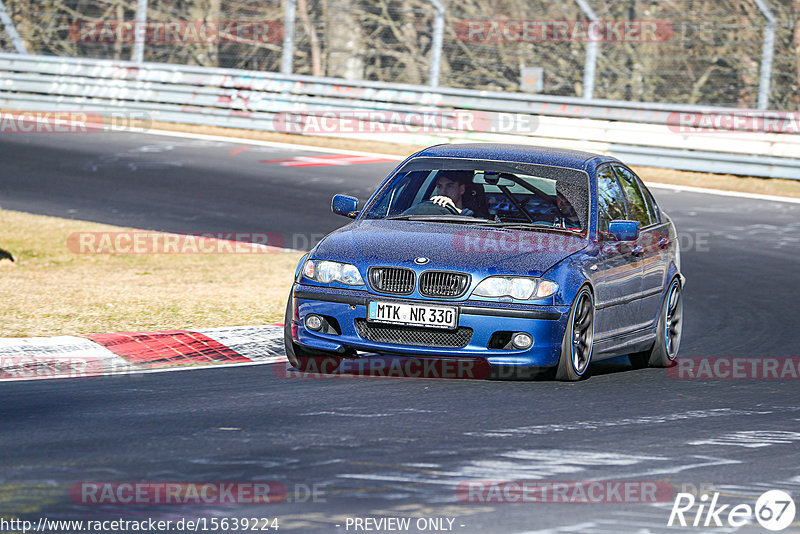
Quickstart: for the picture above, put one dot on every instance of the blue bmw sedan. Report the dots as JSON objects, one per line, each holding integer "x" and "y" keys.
{"x": 529, "y": 259}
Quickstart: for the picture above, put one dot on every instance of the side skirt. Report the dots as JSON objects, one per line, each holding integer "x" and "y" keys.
{"x": 635, "y": 341}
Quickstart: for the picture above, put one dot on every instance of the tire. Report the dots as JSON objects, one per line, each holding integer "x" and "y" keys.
{"x": 668, "y": 332}
{"x": 577, "y": 345}
{"x": 304, "y": 359}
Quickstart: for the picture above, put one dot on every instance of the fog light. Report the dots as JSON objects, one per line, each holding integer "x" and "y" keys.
{"x": 522, "y": 341}
{"x": 314, "y": 322}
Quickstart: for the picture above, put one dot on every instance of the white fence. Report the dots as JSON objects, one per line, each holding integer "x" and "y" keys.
{"x": 639, "y": 134}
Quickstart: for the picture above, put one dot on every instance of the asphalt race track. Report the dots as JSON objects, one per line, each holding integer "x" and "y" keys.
{"x": 398, "y": 447}
{"x": 175, "y": 185}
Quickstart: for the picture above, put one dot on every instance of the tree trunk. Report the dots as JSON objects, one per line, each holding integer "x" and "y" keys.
{"x": 345, "y": 49}
{"x": 316, "y": 54}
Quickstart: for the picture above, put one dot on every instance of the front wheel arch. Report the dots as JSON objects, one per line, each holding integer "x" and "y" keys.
{"x": 302, "y": 358}
{"x": 577, "y": 345}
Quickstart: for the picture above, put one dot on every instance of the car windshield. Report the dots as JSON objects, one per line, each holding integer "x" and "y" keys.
{"x": 485, "y": 192}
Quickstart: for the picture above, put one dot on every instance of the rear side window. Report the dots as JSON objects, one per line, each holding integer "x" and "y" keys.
{"x": 610, "y": 199}
{"x": 637, "y": 206}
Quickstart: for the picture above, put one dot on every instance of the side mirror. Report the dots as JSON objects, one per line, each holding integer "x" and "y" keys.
{"x": 345, "y": 205}
{"x": 624, "y": 230}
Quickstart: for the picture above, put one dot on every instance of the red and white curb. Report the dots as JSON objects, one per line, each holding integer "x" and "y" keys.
{"x": 95, "y": 355}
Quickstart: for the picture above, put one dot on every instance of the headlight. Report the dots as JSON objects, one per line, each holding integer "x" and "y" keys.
{"x": 516, "y": 287}
{"x": 332, "y": 271}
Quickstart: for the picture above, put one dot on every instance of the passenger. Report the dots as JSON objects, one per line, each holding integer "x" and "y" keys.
{"x": 567, "y": 217}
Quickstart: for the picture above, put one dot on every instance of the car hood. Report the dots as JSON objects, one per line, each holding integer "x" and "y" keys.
{"x": 463, "y": 248}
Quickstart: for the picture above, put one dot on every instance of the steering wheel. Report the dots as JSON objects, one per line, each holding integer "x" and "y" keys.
{"x": 429, "y": 207}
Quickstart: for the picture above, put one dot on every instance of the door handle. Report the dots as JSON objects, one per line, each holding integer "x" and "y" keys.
{"x": 637, "y": 250}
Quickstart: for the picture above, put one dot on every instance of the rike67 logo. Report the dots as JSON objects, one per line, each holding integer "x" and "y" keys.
{"x": 774, "y": 510}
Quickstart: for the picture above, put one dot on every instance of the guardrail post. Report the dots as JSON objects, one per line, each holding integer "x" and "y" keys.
{"x": 140, "y": 31}
{"x": 590, "y": 65}
{"x": 767, "y": 51}
{"x": 436, "y": 44}
{"x": 288, "y": 37}
{"x": 12, "y": 31}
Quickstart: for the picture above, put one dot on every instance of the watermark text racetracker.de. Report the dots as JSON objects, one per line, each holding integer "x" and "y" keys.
{"x": 73, "y": 122}
{"x": 393, "y": 366}
{"x": 198, "y": 493}
{"x": 322, "y": 121}
{"x": 559, "y": 31}
{"x": 464, "y": 242}
{"x": 736, "y": 368}
{"x": 504, "y": 241}
{"x": 52, "y": 366}
{"x": 587, "y": 492}
{"x": 180, "y": 31}
{"x": 145, "y": 242}
{"x": 734, "y": 121}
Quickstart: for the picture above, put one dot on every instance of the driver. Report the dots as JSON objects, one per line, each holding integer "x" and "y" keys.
{"x": 450, "y": 188}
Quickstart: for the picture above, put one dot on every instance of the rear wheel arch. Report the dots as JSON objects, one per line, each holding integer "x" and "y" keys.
{"x": 664, "y": 353}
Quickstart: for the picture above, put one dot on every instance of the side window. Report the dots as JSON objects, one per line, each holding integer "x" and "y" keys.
{"x": 425, "y": 189}
{"x": 610, "y": 199}
{"x": 655, "y": 213}
{"x": 388, "y": 204}
{"x": 637, "y": 208}
{"x": 394, "y": 198}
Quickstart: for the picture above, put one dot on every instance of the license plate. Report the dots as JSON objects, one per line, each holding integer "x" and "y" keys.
{"x": 412, "y": 314}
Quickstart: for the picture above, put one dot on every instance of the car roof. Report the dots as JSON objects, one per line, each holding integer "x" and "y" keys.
{"x": 539, "y": 155}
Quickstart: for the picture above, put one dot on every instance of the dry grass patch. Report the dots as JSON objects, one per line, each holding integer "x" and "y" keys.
{"x": 764, "y": 186}
{"x": 727, "y": 182}
{"x": 49, "y": 290}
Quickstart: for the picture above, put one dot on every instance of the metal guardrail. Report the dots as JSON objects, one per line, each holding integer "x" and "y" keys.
{"x": 638, "y": 133}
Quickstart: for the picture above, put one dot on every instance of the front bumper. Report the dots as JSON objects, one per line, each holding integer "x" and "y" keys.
{"x": 546, "y": 324}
